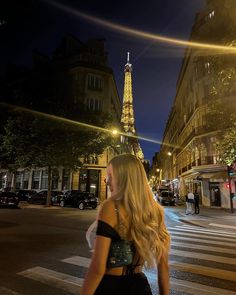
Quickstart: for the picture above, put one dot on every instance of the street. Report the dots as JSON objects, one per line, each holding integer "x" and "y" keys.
{"x": 44, "y": 251}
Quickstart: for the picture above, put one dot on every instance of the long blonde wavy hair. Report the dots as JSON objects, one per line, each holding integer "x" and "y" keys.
{"x": 147, "y": 227}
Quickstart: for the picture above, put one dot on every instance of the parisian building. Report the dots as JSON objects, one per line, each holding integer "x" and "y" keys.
{"x": 78, "y": 72}
{"x": 188, "y": 158}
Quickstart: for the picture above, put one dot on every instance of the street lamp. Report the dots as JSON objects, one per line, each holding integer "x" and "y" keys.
{"x": 114, "y": 131}
{"x": 169, "y": 154}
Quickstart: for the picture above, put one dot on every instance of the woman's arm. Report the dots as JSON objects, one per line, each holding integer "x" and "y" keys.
{"x": 163, "y": 275}
{"x": 97, "y": 266}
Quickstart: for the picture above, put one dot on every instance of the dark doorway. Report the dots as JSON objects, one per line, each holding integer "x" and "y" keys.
{"x": 89, "y": 181}
{"x": 215, "y": 195}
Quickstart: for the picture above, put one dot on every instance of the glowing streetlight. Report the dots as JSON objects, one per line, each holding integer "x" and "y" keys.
{"x": 157, "y": 170}
{"x": 169, "y": 153}
{"x": 114, "y": 131}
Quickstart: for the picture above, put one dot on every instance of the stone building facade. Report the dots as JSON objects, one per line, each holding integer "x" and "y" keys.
{"x": 189, "y": 157}
{"x": 77, "y": 74}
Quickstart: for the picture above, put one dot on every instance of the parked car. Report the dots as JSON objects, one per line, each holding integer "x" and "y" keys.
{"x": 41, "y": 197}
{"x": 167, "y": 198}
{"x": 9, "y": 199}
{"x": 79, "y": 199}
{"x": 24, "y": 194}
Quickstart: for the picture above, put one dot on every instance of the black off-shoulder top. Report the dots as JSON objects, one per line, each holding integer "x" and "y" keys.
{"x": 106, "y": 230}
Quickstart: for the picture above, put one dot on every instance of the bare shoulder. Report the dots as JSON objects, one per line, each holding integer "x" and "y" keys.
{"x": 107, "y": 212}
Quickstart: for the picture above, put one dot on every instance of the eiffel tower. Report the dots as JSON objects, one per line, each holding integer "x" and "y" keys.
{"x": 127, "y": 118}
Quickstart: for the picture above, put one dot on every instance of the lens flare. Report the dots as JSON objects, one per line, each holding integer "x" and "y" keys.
{"x": 79, "y": 124}
{"x": 141, "y": 34}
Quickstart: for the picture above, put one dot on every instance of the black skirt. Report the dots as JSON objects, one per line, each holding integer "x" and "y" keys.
{"x": 134, "y": 284}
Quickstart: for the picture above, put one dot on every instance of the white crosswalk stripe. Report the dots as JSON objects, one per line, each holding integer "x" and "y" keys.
{"x": 201, "y": 247}
{"x": 209, "y": 241}
{"x": 203, "y": 231}
{"x": 184, "y": 247}
{"x": 205, "y": 236}
{"x": 50, "y": 277}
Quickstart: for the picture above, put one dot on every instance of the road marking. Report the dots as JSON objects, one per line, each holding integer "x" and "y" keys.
{"x": 196, "y": 289}
{"x": 73, "y": 284}
{"x": 78, "y": 260}
{"x": 53, "y": 278}
{"x": 206, "y": 231}
{"x": 204, "y": 270}
{"x": 202, "y": 247}
{"x": 200, "y": 236}
{"x": 190, "y": 287}
{"x": 223, "y": 225}
{"x": 218, "y": 273}
{"x": 6, "y": 291}
{"x": 208, "y": 257}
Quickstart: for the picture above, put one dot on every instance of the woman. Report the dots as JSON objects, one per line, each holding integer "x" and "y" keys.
{"x": 132, "y": 214}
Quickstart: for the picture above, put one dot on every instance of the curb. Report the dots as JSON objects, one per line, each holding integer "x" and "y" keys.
{"x": 40, "y": 207}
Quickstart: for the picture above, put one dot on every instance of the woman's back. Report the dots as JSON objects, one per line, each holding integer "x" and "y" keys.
{"x": 131, "y": 231}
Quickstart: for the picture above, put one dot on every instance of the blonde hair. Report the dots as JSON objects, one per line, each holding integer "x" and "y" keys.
{"x": 147, "y": 227}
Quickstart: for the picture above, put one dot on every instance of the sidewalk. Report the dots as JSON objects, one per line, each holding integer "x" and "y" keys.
{"x": 217, "y": 218}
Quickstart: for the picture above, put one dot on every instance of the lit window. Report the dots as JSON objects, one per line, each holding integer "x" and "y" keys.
{"x": 211, "y": 14}
{"x": 94, "y": 82}
{"x": 207, "y": 67}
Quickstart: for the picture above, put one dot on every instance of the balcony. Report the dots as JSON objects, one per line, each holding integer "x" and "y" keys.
{"x": 188, "y": 138}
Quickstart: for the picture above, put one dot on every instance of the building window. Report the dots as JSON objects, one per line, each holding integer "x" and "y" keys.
{"x": 66, "y": 179}
{"x": 55, "y": 179}
{"x": 36, "y": 178}
{"x": 94, "y": 82}
{"x": 207, "y": 68}
{"x": 93, "y": 104}
{"x": 210, "y": 15}
{"x": 91, "y": 159}
{"x": 26, "y": 179}
{"x": 44, "y": 179}
{"x": 19, "y": 180}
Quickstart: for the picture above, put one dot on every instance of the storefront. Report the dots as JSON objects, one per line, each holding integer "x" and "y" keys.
{"x": 89, "y": 180}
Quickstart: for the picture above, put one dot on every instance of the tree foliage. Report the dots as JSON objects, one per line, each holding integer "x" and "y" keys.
{"x": 34, "y": 141}
{"x": 227, "y": 142}
{"x": 221, "y": 113}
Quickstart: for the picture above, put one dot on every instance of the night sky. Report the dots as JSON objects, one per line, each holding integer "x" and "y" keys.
{"x": 37, "y": 25}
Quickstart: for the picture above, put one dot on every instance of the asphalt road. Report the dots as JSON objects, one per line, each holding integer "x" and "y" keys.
{"x": 44, "y": 251}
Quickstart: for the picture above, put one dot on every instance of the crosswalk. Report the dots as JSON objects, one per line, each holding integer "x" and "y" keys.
{"x": 196, "y": 253}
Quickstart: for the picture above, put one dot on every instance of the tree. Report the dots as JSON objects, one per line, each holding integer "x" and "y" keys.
{"x": 227, "y": 143}
{"x": 36, "y": 141}
{"x": 221, "y": 114}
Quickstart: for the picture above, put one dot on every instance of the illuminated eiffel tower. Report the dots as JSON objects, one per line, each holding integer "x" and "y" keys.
{"x": 127, "y": 118}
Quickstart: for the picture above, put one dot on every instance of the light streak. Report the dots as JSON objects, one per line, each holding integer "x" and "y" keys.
{"x": 79, "y": 124}
{"x": 139, "y": 33}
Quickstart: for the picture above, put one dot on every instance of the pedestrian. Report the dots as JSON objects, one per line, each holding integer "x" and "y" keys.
{"x": 196, "y": 202}
{"x": 131, "y": 232}
{"x": 190, "y": 203}
{"x": 187, "y": 204}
